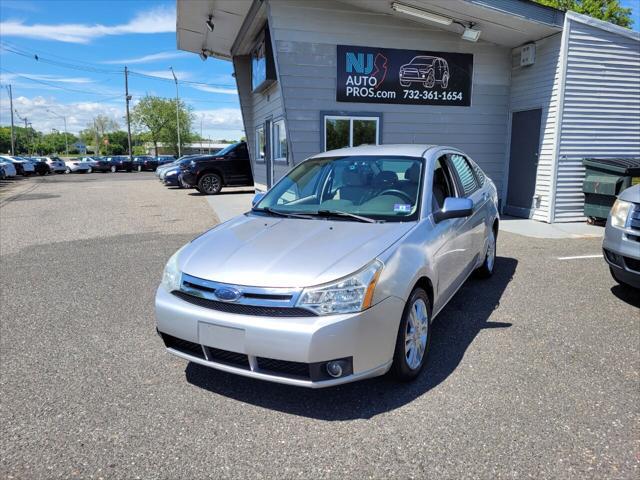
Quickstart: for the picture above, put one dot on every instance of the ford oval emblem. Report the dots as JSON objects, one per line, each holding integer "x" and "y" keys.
{"x": 227, "y": 294}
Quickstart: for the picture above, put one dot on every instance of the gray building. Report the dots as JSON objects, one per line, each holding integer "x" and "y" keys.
{"x": 526, "y": 90}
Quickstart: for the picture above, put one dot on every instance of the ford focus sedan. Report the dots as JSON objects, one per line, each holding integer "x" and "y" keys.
{"x": 337, "y": 272}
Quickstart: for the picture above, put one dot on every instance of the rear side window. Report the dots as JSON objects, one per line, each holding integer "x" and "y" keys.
{"x": 465, "y": 173}
{"x": 479, "y": 173}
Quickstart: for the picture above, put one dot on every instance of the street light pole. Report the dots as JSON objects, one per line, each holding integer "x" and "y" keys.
{"x": 66, "y": 136}
{"x": 13, "y": 141}
{"x": 177, "y": 110}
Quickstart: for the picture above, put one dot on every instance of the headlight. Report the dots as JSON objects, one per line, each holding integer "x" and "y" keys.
{"x": 620, "y": 213}
{"x": 172, "y": 276}
{"x": 347, "y": 295}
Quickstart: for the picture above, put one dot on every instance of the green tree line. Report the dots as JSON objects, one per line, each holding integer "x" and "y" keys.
{"x": 607, "y": 10}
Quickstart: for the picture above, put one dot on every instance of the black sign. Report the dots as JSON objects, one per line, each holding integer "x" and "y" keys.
{"x": 388, "y": 75}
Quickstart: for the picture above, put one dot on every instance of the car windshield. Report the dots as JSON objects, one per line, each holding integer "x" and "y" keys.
{"x": 226, "y": 149}
{"x": 382, "y": 188}
{"x": 422, "y": 61}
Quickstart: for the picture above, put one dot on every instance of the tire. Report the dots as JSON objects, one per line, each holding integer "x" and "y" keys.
{"x": 113, "y": 169}
{"x": 90, "y": 170}
{"x": 210, "y": 184}
{"x": 68, "y": 170}
{"x": 430, "y": 81}
{"x": 445, "y": 81}
{"x": 41, "y": 173}
{"x": 414, "y": 337}
{"x": 486, "y": 269}
{"x": 139, "y": 169}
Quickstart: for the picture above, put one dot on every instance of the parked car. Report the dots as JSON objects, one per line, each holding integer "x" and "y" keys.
{"x": 77, "y": 166}
{"x": 162, "y": 169}
{"x": 56, "y": 164}
{"x": 3, "y": 173}
{"x": 8, "y": 167}
{"x": 102, "y": 164}
{"x": 164, "y": 159}
{"x": 337, "y": 272}
{"x": 425, "y": 70}
{"x": 23, "y": 167}
{"x": 40, "y": 165}
{"x": 121, "y": 163}
{"x": 146, "y": 162}
{"x": 92, "y": 161}
{"x": 230, "y": 167}
{"x": 171, "y": 177}
{"x": 621, "y": 244}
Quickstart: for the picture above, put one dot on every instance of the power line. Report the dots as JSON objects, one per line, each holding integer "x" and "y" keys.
{"x": 52, "y": 85}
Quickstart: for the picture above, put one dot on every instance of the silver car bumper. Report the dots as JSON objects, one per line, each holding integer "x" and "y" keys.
{"x": 622, "y": 252}
{"x": 368, "y": 338}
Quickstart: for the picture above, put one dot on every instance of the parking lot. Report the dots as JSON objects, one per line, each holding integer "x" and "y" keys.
{"x": 533, "y": 373}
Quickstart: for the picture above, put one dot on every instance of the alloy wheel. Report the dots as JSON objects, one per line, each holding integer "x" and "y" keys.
{"x": 211, "y": 184}
{"x": 491, "y": 250}
{"x": 415, "y": 337}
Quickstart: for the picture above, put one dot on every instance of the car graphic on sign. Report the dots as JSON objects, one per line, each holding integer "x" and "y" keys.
{"x": 426, "y": 70}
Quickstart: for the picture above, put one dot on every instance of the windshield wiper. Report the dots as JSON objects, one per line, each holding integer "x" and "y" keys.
{"x": 338, "y": 213}
{"x": 280, "y": 213}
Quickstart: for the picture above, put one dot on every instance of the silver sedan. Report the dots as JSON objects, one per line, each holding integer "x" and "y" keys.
{"x": 337, "y": 272}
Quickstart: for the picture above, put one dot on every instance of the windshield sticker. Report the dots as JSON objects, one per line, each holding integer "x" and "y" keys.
{"x": 402, "y": 208}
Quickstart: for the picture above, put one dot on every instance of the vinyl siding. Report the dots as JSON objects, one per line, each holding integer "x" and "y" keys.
{"x": 601, "y": 109}
{"x": 306, "y": 35}
{"x": 532, "y": 87}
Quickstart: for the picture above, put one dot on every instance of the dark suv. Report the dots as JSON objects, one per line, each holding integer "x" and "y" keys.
{"x": 426, "y": 70}
{"x": 230, "y": 167}
{"x": 120, "y": 162}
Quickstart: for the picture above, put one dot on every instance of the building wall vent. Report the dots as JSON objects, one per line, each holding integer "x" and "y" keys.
{"x": 528, "y": 55}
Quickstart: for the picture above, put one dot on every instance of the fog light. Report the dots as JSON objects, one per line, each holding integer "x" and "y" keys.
{"x": 334, "y": 369}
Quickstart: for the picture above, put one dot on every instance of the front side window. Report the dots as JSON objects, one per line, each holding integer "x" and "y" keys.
{"x": 260, "y": 144}
{"x": 465, "y": 174}
{"x": 379, "y": 188}
{"x": 341, "y": 132}
{"x": 279, "y": 141}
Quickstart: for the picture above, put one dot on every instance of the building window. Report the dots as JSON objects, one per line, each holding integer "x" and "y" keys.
{"x": 279, "y": 142}
{"x": 260, "y": 144}
{"x": 342, "y": 131}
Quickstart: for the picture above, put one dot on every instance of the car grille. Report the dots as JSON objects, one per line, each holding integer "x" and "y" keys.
{"x": 183, "y": 346}
{"x": 229, "y": 358}
{"x": 284, "y": 368}
{"x": 632, "y": 264}
{"x": 243, "y": 309}
{"x": 634, "y": 222}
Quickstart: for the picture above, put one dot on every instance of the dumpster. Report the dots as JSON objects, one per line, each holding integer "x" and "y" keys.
{"x": 604, "y": 179}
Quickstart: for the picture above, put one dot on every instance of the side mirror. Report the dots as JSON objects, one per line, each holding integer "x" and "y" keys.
{"x": 454, "y": 208}
{"x": 256, "y": 198}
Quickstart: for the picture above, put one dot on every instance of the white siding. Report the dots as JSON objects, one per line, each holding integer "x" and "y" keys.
{"x": 601, "y": 108}
{"x": 533, "y": 87}
{"x": 306, "y": 34}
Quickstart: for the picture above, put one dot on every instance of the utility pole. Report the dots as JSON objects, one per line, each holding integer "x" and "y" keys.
{"x": 177, "y": 110}
{"x": 32, "y": 147}
{"x": 128, "y": 98}
{"x": 201, "y": 139}
{"x": 27, "y": 130}
{"x": 13, "y": 142}
{"x": 95, "y": 129}
{"x": 66, "y": 136}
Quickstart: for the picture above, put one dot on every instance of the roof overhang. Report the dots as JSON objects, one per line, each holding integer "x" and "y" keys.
{"x": 503, "y": 22}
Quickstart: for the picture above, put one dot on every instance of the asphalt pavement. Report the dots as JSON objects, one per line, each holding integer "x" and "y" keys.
{"x": 534, "y": 373}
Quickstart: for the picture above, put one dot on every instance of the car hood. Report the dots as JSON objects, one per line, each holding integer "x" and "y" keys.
{"x": 285, "y": 252}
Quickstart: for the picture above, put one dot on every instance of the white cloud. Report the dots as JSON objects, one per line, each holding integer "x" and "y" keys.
{"x": 8, "y": 77}
{"x": 165, "y": 74}
{"x": 207, "y": 88}
{"x": 154, "y": 57}
{"x": 156, "y": 20}
{"x": 220, "y": 119}
{"x": 78, "y": 114}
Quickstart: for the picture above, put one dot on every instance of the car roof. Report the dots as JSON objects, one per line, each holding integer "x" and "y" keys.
{"x": 400, "y": 149}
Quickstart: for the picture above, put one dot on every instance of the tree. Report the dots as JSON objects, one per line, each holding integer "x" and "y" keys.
{"x": 157, "y": 117}
{"x": 607, "y": 10}
{"x": 97, "y": 129}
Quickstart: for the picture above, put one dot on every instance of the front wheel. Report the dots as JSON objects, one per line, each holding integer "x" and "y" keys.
{"x": 139, "y": 168}
{"x": 404, "y": 83}
{"x": 445, "y": 81}
{"x": 486, "y": 269}
{"x": 430, "y": 81}
{"x": 210, "y": 184}
{"x": 90, "y": 170}
{"x": 113, "y": 169}
{"x": 414, "y": 337}
{"x": 68, "y": 170}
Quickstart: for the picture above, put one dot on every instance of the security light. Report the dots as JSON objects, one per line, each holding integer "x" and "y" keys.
{"x": 210, "y": 24}
{"x": 470, "y": 34}
{"x": 419, "y": 13}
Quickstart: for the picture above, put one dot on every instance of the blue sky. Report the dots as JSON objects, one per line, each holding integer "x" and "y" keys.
{"x": 83, "y": 46}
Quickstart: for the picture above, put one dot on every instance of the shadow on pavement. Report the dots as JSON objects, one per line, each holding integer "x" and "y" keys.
{"x": 196, "y": 193}
{"x": 627, "y": 294}
{"x": 453, "y": 331}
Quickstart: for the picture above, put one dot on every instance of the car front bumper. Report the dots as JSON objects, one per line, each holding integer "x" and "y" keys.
{"x": 621, "y": 248}
{"x": 189, "y": 178}
{"x": 171, "y": 181}
{"x": 368, "y": 338}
